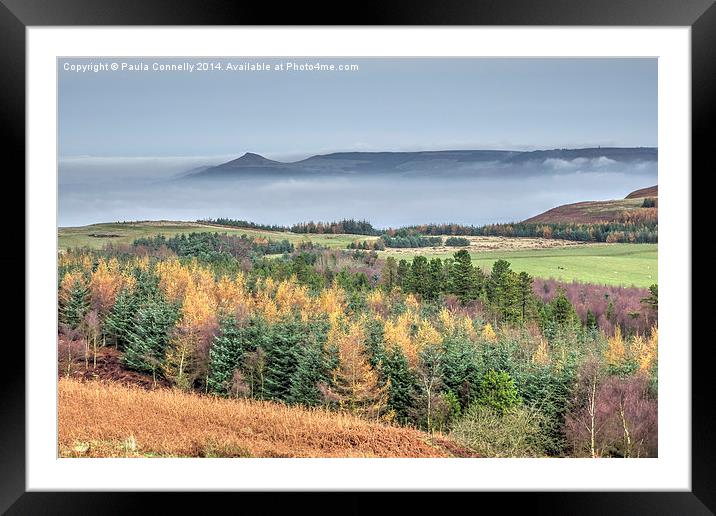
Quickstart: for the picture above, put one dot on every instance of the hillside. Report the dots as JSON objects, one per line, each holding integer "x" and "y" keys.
{"x": 592, "y": 212}
{"x": 587, "y": 212}
{"x": 455, "y": 162}
{"x": 103, "y": 419}
{"x": 651, "y": 191}
{"x": 95, "y": 236}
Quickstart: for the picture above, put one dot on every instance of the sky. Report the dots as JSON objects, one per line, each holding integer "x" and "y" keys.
{"x": 388, "y": 104}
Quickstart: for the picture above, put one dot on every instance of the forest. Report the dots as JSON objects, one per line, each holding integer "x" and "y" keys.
{"x": 628, "y": 228}
{"x": 506, "y": 364}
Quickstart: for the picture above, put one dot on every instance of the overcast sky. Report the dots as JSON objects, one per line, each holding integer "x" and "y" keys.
{"x": 388, "y": 104}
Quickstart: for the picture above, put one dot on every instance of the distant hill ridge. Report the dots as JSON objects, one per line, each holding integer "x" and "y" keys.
{"x": 355, "y": 163}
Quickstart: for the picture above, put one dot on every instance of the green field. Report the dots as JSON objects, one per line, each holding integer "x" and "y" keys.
{"x": 126, "y": 233}
{"x": 611, "y": 264}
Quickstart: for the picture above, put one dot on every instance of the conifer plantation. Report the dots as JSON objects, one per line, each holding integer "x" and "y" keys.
{"x": 495, "y": 363}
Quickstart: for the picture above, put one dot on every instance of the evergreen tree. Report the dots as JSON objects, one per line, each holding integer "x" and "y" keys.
{"x": 497, "y": 390}
{"x": 462, "y": 277}
{"x": 524, "y": 290}
{"x": 403, "y": 274}
{"x": 310, "y": 371}
{"x": 403, "y": 385}
{"x": 561, "y": 312}
{"x": 119, "y": 321}
{"x": 280, "y": 346}
{"x": 390, "y": 274}
{"x": 72, "y": 312}
{"x": 226, "y": 355}
{"x": 149, "y": 335}
{"x": 460, "y": 368}
{"x": 419, "y": 282}
{"x": 549, "y": 389}
{"x": 503, "y": 291}
{"x": 652, "y": 300}
{"x": 436, "y": 279}
{"x": 591, "y": 322}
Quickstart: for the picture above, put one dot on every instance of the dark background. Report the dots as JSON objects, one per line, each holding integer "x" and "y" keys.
{"x": 15, "y": 15}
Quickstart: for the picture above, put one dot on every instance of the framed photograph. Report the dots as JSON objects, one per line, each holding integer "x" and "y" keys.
{"x": 419, "y": 252}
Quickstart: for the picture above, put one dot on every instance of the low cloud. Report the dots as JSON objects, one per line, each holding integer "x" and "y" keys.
{"x": 502, "y": 195}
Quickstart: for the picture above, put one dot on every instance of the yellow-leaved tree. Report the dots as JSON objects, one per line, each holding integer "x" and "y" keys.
{"x": 355, "y": 384}
{"x": 397, "y": 334}
{"x": 615, "y": 353}
{"x": 187, "y": 353}
{"x": 488, "y": 333}
{"x": 645, "y": 350}
{"x": 106, "y": 282}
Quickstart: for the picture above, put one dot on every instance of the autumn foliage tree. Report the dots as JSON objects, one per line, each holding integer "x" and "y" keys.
{"x": 354, "y": 382}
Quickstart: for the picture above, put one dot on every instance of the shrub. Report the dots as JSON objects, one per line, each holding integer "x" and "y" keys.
{"x": 457, "y": 241}
{"x": 514, "y": 433}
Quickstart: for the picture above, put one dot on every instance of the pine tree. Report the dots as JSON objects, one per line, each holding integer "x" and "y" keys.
{"x": 436, "y": 279}
{"x": 74, "y": 301}
{"x": 503, "y": 291}
{"x": 651, "y": 302}
{"x": 390, "y": 274}
{"x": 310, "y": 371}
{"x": 403, "y": 385}
{"x": 149, "y": 335}
{"x": 524, "y": 289}
{"x": 497, "y": 390}
{"x": 462, "y": 277}
{"x": 419, "y": 282}
{"x": 561, "y": 312}
{"x": 226, "y": 355}
{"x": 279, "y": 345}
{"x": 119, "y": 320}
{"x": 591, "y": 322}
{"x": 460, "y": 368}
{"x": 403, "y": 274}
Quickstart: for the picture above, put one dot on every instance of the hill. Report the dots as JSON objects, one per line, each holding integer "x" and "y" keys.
{"x": 95, "y": 236}
{"x": 587, "y": 212}
{"x": 103, "y": 419}
{"x": 593, "y": 212}
{"x": 651, "y": 191}
{"x": 456, "y": 162}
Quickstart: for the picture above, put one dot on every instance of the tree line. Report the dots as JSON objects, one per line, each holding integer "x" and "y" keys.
{"x": 634, "y": 226}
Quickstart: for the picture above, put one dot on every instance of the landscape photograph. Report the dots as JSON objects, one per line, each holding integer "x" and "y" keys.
{"x": 357, "y": 258}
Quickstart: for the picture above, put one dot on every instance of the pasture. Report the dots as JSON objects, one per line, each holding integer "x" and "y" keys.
{"x": 608, "y": 264}
{"x": 95, "y": 236}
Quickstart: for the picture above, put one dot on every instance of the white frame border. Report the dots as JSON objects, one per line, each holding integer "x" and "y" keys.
{"x": 671, "y": 471}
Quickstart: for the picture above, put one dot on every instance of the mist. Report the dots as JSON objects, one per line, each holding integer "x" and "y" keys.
{"x": 94, "y": 190}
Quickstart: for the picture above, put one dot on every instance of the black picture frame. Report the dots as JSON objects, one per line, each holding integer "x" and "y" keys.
{"x": 17, "y": 15}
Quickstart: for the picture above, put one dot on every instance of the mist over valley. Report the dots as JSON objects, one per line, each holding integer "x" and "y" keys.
{"x": 388, "y": 189}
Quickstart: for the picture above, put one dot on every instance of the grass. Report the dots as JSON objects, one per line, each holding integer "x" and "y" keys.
{"x": 103, "y": 419}
{"x": 608, "y": 264}
{"x": 69, "y": 237}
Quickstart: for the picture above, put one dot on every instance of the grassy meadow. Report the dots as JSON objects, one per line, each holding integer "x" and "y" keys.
{"x": 95, "y": 236}
{"x": 608, "y": 264}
